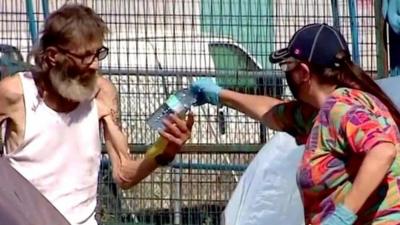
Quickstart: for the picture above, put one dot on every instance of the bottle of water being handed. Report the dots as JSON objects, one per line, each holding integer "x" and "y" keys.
{"x": 179, "y": 103}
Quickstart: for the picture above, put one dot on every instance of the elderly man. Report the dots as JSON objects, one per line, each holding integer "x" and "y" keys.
{"x": 53, "y": 115}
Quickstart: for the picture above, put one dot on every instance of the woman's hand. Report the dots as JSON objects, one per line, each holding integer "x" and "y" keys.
{"x": 206, "y": 91}
{"x": 341, "y": 216}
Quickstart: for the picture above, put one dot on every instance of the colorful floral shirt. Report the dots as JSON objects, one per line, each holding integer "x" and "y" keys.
{"x": 349, "y": 124}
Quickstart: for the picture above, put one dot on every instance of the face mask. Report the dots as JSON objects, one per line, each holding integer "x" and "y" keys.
{"x": 293, "y": 86}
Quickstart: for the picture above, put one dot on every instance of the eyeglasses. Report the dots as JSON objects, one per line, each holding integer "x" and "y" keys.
{"x": 87, "y": 59}
{"x": 289, "y": 64}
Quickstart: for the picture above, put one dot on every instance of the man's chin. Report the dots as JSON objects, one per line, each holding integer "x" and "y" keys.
{"x": 78, "y": 88}
{"x": 78, "y": 97}
{"x": 75, "y": 92}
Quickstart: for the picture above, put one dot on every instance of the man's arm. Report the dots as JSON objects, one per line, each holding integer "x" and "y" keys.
{"x": 126, "y": 170}
{"x": 10, "y": 96}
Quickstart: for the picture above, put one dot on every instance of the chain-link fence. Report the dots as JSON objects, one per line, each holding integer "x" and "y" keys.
{"x": 192, "y": 191}
{"x": 158, "y": 46}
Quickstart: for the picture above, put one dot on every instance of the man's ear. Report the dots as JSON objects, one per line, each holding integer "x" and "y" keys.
{"x": 305, "y": 72}
{"x": 50, "y": 57}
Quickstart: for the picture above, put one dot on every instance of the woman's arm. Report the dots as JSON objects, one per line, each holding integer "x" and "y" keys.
{"x": 255, "y": 106}
{"x": 369, "y": 134}
{"x": 293, "y": 117}
{"x": 373, "y": 169}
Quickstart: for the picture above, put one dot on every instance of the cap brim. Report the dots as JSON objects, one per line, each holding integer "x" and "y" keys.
{"x": 279, "y": 56}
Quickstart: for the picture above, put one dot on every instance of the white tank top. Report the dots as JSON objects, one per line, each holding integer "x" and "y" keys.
{"x": 60, "y": 154}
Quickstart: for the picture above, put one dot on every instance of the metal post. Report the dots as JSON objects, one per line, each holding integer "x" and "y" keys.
{"x": 177, "y": 195}
{"x": 31, "y": 20}
{"x": 335, "y": 14}
{"x": 354, "y": 30}
{"x": 381, "y": 46}
{"x": 45, "y": 7}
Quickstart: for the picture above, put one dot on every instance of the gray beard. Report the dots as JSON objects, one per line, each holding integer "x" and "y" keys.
{"x": 72, "y": 88}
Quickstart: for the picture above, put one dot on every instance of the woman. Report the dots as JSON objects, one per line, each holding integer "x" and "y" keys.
{"x": 351, "y": 166}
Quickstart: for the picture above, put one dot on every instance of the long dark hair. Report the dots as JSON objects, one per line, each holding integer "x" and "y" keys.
{"x": 350, "y": 75}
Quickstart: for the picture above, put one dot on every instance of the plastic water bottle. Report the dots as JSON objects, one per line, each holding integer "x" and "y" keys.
{"x": 179, "y": 102}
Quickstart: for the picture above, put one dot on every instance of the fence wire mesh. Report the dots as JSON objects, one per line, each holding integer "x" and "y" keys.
{"x": 194, "y": 192}
{"x": 159, "y": 46}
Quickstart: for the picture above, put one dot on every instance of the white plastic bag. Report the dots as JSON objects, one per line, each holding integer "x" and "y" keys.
{"x": 391, "y": 87}
{"x": 267, "y": 192}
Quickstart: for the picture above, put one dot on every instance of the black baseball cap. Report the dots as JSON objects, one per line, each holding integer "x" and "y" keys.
{"x": 314, "y": 43}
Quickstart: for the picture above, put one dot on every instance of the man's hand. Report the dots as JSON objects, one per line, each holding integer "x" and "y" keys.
{"x": 177, "y": 132}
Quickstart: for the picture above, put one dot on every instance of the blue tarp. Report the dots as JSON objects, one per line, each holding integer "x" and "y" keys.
{"x": 391, "y": 12}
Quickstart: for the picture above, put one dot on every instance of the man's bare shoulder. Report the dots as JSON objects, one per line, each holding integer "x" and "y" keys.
{"x": 107, "y": 93}
{"x": 106, "y": 86}
{"x": 11, "y": 90}
{"x": 107, "y": 98}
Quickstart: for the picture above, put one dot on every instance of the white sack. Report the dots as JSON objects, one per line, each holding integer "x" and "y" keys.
{"x": 267, "y": 192}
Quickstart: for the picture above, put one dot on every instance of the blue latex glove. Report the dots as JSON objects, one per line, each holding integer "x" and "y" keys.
{"x": 341, "y": 216}
{"x": 206, "y": 90}
{"x": 391, "y": 11}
